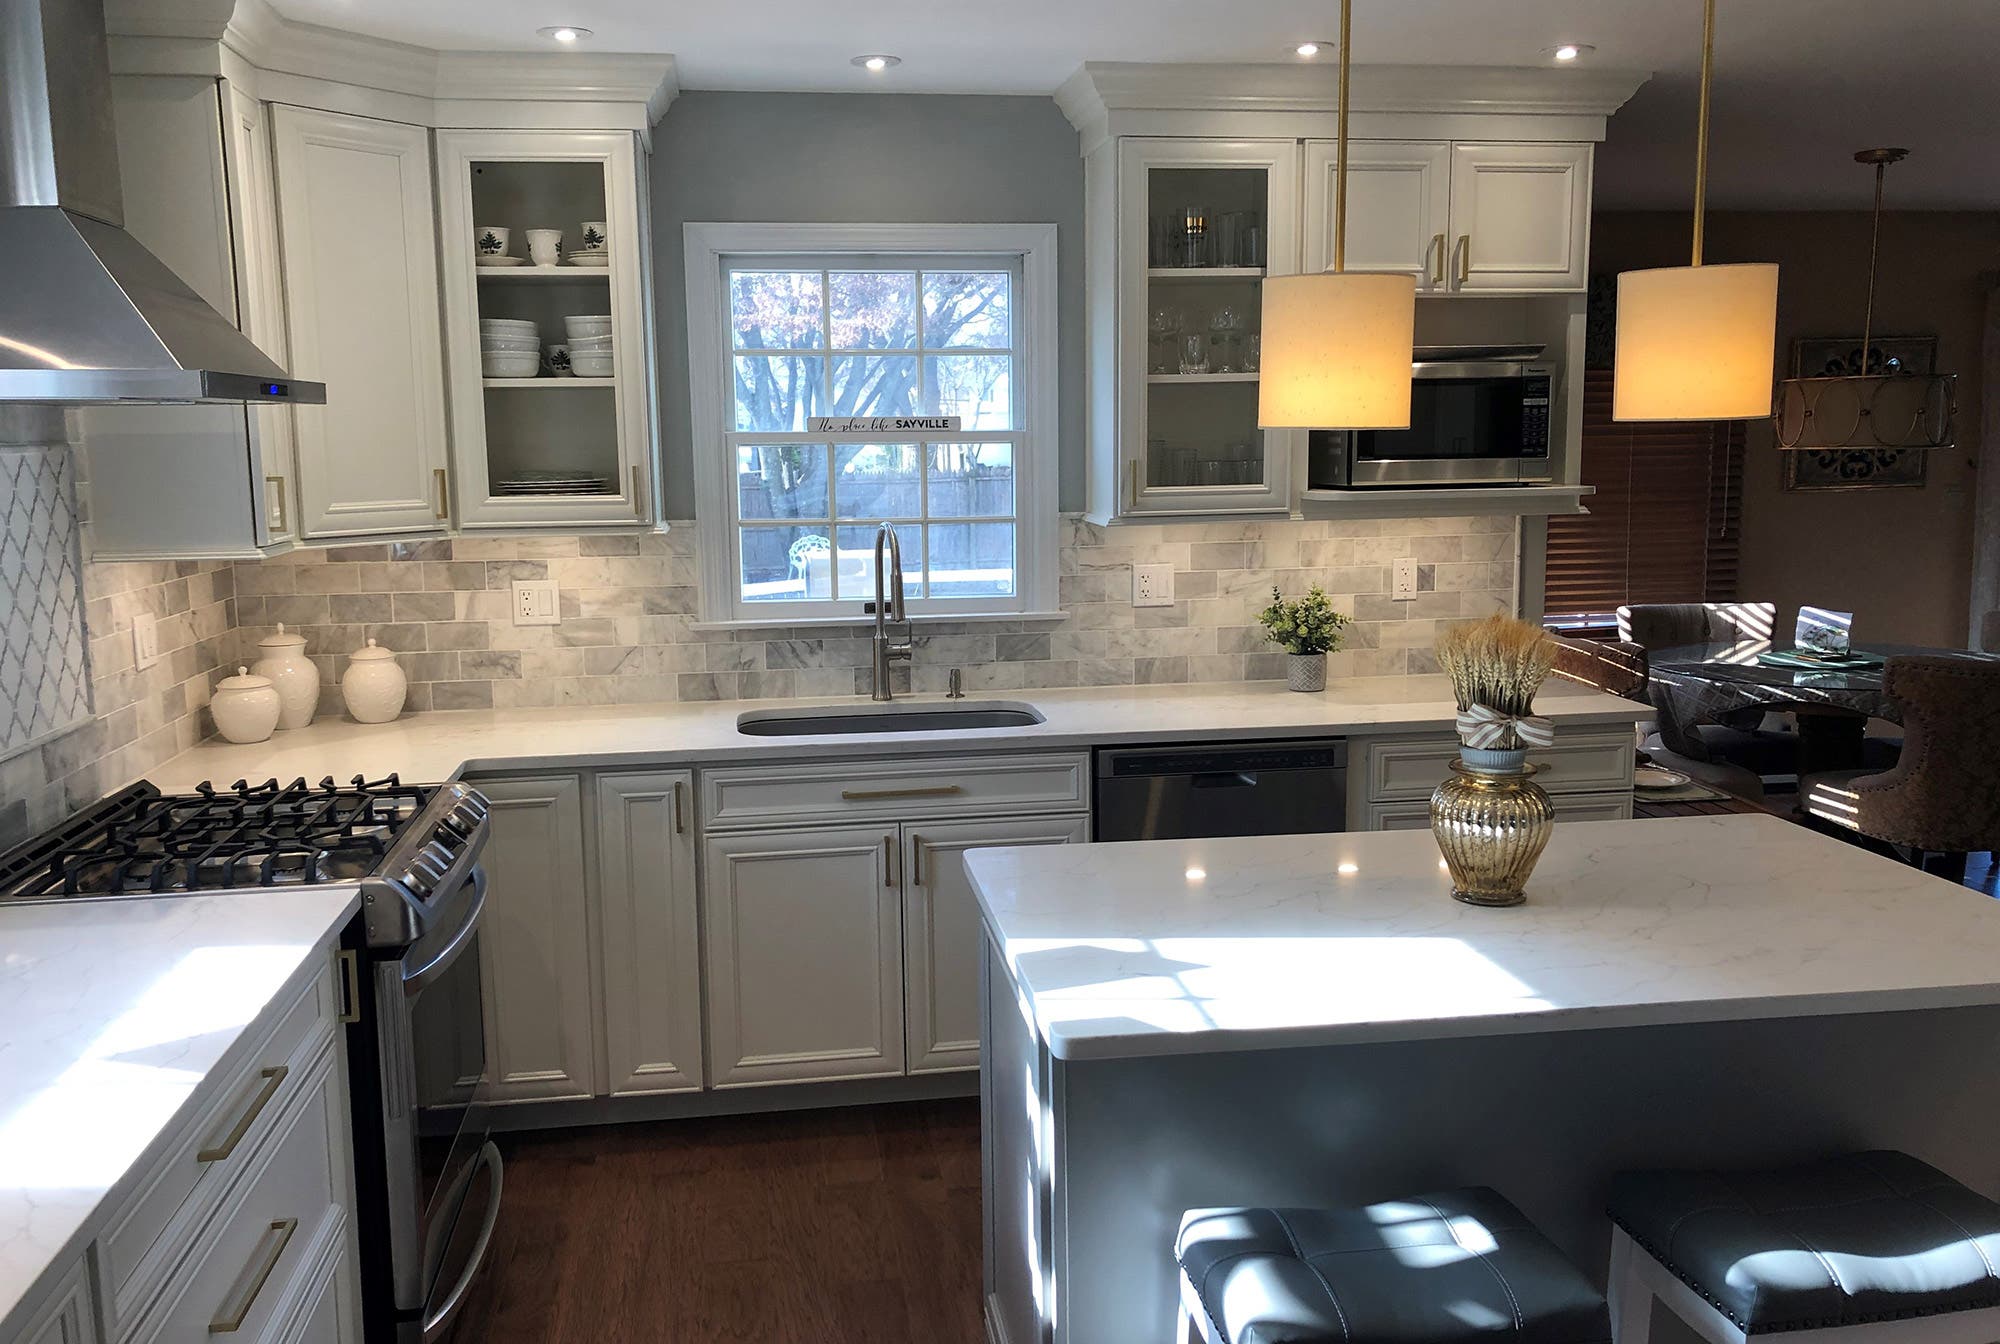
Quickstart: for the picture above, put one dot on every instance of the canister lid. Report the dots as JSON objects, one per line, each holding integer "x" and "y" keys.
{"x": 371, "y": 652}
{"x": 281, "y": 640}
{"x": 244, "y": 680}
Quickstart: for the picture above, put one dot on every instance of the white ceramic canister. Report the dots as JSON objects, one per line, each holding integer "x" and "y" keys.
{"x": 373, "y": 685}
{"x": 283, "y": 659}
{"x": 245, "y": 707}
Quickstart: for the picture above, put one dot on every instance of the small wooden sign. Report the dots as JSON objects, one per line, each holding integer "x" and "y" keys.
{"x": 882, "y": 424}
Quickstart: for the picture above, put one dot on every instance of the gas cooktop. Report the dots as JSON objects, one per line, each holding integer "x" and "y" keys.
{"x": 140, "y": 842}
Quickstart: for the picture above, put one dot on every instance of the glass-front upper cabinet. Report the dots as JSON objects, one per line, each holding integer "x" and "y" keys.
{"x": 1201, "y": 223}
{"x": 548, "y": 327}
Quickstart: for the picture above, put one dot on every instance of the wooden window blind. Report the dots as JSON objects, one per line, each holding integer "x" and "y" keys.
{"x": 1665, "y": 523}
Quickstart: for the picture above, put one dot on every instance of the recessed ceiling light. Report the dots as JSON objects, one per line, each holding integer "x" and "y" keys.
{"x": 1311, "y": 49}
{"x": 876, "y": 64}
{"x": 1569, "y": 51}
{"x": 564, "y": 33}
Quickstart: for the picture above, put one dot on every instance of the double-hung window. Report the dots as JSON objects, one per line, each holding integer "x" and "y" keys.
{"x": 917, "y": 324}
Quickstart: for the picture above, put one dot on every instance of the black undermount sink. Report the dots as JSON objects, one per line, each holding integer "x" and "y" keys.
{"x": 916, "y": 718}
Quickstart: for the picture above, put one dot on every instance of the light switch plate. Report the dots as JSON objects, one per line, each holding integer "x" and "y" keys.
{"x": 1403, "y": 580}
{"x": 537, "y": 602}
{"x": 1153, "y": 585}
{"x": 145, "y": 639}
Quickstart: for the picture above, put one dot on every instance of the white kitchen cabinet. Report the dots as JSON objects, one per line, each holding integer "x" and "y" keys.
{"x": 534, "y": 942}
{"x": 942, "y": 944}
{"x": 516, "y": 428}
{"x": 1462, "y": 218}
{"x": 1398, "y": 208}
{"x": 69, "y": 1317}
{"x": 324, "y": 1306}
{"x": 649, "y": 932}
{"x": 196, "y": 482}
{"x": 359, "y": 241}
{"x": 1186, "y": 438}
{"x": 1587, "y": 773}
{"x": 1520, "y": 216}
{"x": 804, "y": 955}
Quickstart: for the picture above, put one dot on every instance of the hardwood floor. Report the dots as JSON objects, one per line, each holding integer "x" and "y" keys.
{"x": 802, "y": 1227}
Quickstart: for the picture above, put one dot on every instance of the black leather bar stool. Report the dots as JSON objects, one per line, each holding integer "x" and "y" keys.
{"x": 1877, "y": 1248}
{"x": 1449, "y": 1268}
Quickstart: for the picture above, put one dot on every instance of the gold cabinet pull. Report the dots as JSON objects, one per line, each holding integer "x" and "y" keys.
{"x": 274, "y": 1078}
{"x": 916, "y": 860}
{"x": 1464, "y": 257}
{"x": 231, "y": 1321}
{"x": 283, "y": 526}
{"x": 350, "y": 984}
{"x": 929, "y": 791}
{"x": 888, "y": 860}
{"x": 443, "y": 493}
{"x": 680, "y": 822}
{"x": 1436, "y": 253}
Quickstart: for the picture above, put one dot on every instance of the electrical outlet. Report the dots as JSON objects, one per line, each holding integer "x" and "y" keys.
{"x": 1403, "y": 580}
{"x": 1152, "y": 585}
{"x": 537, "y": 602}
{"x": 145, "y": 639}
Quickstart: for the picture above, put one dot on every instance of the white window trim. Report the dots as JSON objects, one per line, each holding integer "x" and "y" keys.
{"x": 1036, "y": 470}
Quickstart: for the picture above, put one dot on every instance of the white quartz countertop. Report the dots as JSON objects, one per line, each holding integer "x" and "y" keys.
{"x": 1179, "y": 946}
{"x": 433, "y": 747}
{"x": 113, "y": 1017}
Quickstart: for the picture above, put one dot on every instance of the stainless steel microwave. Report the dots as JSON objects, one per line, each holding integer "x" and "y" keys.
{"x": 1478, "y": 416}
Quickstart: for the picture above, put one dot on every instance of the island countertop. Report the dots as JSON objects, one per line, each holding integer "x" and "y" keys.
{"x": 115, "y": 1015}
{"x": 1167, "y": 947}
{"x": 431, "y": 748}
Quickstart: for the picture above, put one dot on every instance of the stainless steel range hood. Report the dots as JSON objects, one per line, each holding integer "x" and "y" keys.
{"x": 87, "y": 315}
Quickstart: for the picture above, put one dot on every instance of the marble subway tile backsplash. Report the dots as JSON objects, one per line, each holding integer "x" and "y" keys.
{"x": 629, "y": 621}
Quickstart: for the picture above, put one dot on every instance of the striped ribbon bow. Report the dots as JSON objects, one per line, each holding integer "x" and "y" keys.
{"x": 1486, "y": 728}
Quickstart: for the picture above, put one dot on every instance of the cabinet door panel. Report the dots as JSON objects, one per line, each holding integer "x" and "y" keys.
{"x": 649, "y": 932}
{"x": 360, "y": 266}
{"x": 248, "y": 150}
{"x": 533, "y": 942}
{"x": 941, "y": 935}
{"x": 804, "y": 954}
{"x": 1520, "y": 216}
{"x": 1398, "y": 207}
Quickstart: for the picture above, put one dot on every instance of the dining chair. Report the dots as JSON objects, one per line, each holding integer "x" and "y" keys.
{"x": 1941, "y": 800}
{"x": 1619, "y": 668}
{"x": 1739, "y": 737}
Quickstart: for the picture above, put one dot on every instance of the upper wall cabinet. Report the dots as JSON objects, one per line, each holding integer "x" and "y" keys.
{"x": 557, "y": 427}
{"x": 1462, "y": 218}
{"x": 360, "y": 271}
{"x": 211, "y": 482}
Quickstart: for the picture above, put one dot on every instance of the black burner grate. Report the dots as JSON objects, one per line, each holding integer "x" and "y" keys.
{"x": 271, "y": 834}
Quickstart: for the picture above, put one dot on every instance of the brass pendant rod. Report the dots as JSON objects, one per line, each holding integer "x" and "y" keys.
{"x": 1340, "y": 177}
{"x": 1874, "y": 245}
{"x": 1701, "y": 127}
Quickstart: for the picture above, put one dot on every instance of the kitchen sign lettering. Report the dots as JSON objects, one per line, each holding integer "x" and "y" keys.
{"x": 882, "y": 424}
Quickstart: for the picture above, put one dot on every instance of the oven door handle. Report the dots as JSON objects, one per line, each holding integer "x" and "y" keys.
{"x": 437, "y": 1323}
{"x": 414, "y": 981}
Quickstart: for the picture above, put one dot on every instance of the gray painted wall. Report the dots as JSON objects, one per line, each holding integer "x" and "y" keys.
{"x": 846, "y": 158}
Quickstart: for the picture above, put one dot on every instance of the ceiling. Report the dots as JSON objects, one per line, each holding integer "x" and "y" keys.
{"x": 1800, "y": 84}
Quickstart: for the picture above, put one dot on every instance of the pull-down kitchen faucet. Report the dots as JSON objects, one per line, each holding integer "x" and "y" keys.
{"x": 889, "y": 651}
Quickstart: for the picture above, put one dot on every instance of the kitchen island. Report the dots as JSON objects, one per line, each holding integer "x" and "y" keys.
{"x": 1312, "y": 1019}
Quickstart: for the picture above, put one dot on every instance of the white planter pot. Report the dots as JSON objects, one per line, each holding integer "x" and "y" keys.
{"x": 1305, "y": 671}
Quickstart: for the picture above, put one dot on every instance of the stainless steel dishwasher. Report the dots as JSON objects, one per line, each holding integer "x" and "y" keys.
{"x": 1221, "y": 788}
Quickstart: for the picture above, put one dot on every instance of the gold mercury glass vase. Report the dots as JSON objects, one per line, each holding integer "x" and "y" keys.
{"x": 1491, "y": 825}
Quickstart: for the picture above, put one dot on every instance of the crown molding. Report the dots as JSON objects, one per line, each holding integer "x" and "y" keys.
{"x": 1101, "y": 90}
{"x": 450, "y": 84}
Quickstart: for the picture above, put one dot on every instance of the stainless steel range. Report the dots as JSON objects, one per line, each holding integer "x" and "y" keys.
{"x": 412, "y": 994}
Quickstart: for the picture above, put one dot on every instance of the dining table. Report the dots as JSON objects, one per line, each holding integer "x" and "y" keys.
{"x": 1701, "y": 683}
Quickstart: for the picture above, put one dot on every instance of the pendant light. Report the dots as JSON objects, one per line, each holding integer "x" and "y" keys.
{"x": 1858, "y": 408}
{"x": 1696, "y": 342}
{"x": 1337, "y": 347}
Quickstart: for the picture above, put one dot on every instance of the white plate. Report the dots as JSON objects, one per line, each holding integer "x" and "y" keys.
{"x": 600, "y": 260}
{"x": 1658, "y": 777}
{"x": 501, "y": 261}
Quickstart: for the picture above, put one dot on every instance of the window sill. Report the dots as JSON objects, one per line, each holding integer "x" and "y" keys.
{"x": 867, "y": 622}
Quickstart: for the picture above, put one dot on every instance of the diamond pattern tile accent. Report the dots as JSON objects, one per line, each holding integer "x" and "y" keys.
{"x": 44, "y": 659}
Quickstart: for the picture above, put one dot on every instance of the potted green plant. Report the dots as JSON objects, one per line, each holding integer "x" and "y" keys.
{"x": 1309, "y": 629}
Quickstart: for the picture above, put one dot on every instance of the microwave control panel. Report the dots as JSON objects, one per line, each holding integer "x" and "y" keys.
{"x": 1535, "y": 394}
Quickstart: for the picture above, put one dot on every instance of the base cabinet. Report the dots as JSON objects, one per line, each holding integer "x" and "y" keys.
{"x": 649, "y": 933}
{"x": 941, "y": 933}
{"x": 804, "y": 955}
{"x": 534, "y": 942}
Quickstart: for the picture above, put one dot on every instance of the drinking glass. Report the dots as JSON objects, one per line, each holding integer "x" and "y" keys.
{"x": 1194, "y": 235}
{"x": 1225, "y": 327}
{"x": 1194, "y": 353}
{"x": 1253, "y": 352}
{"x": 1164, "y": 325}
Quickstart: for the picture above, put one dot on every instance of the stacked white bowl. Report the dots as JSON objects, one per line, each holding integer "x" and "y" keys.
{"x": 589, "y": 346}
{"x": 509, "y": 348}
